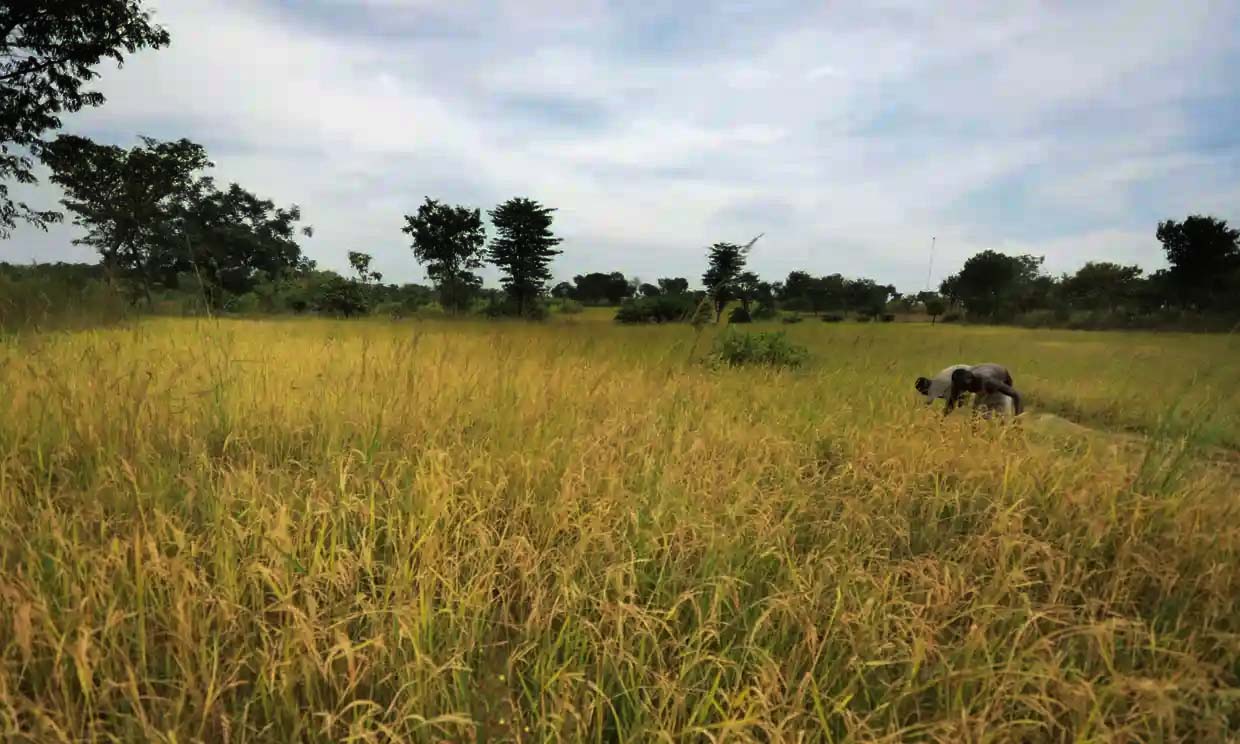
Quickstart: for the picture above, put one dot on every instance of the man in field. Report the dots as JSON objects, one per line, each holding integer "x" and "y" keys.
{"x": 990, "y": 384}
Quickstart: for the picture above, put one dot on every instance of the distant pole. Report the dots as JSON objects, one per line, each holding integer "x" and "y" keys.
{"x": 930, "y": 268}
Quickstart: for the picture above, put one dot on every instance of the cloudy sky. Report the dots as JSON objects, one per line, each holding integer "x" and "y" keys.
{"x": 848, "y": 132}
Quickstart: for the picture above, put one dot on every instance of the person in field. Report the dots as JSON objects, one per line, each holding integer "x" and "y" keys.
{"x": 990, "y": 384}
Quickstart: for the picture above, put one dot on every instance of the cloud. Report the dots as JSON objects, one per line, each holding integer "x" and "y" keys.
{"x": 848, "y": 133}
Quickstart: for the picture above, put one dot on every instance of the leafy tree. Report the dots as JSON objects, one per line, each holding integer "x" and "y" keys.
{"x": 233, "y": 239}
{"x": 47, "y": 51}
{"x": 450, "y": 242}
{"x": 1204, "y": 254}
{"x": 866, "y": 297}
{"x": 523, "y": 249}
{"x": 562, "y": 291}
{"x": 126, "y": 201}
{"x": 1099, "y": 285}
{"x": 935, "y": 306}
{"x": 361, "y": 266}
{"x": 674, "y": 285}
{"x": 648, "y": 290}
{"x": 339, "y": 296}
{"x": 597, "y": 288}
{"x": 990, "y": 284}
{"x": 727, "y": 261}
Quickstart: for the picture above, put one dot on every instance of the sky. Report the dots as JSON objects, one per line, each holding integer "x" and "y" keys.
{"x": 847, "y": 133}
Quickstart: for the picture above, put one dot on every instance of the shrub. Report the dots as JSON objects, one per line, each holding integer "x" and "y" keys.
{"x": 658, "y": 309}
{"x": 863, "y": 318}
{"x": 503, "y": 307}
{"x": 739, "y": 315}
{"x": 832, "y": 318}
{"x": 765, "y": 311}
{"x": 735, "y": 349}
{"x": 792, "y": 319}
{"x": 888, "y": 318}
{"x": 569, "y": 306}
{"x": 950, "y": 318}
{"x": 339, "y": 296}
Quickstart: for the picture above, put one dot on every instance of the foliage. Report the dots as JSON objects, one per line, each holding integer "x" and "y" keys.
{"x": 44, "y": 297}
{"x": 47, "y": 51}
{"x": 597, "y": 288}
{"x": 833, "y": 318}
{"x": 790, "y": 319}
{"x": 1204, "y": 254}
{"x": 991, "y": 285}
{"x": 360, "y": 262}
{"x": 887, "y": 317}
{"x": 127, "y": 202}
{"x": 658, "y": 309}
{"x": 766, "y": 310}
{"x": 507, "y": 307}
{"x": 727, "y": 261}
{"x": 935, "y": 305}
{"x": 739, "y": 315}
{"x": 340, "y": 297}
{"x": 673, "y": 285}
{"x": 569, "y": 306}
{"x": 450, "y": 242}
{"x": 773, "y": 349}
{"x": 522, "y": 250}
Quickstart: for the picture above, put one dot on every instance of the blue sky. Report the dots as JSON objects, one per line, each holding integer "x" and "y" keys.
{"x": 848, "y": 133}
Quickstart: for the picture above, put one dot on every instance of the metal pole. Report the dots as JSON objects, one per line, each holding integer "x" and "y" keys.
{"x": 930, "y": 268}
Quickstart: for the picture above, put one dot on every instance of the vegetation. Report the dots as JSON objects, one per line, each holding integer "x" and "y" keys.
{"x": 449, "y": 242}
{"x": 235, "y": 530}
{"x": 522, "y": 250}
{"x": 47, "y": 52}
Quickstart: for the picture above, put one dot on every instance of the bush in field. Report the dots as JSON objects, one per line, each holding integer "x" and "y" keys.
{"x": 792, "y": 319}
{"x": 569, "y": 306}
{"x": 339, "y": 296}
{"x": 509, "y": 307}
{"x": 832, "y": 318}
{"x": 887, "y": 317}
{"x": 952, "y": 317}
{"x": 735, "y": 349}
{"x": 739, "y": 315}
{"x": 765, "y": 311}
{"x": 658, "y": 309}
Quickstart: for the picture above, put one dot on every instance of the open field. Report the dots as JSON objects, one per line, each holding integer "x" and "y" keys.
{"x": 294, "y": 530}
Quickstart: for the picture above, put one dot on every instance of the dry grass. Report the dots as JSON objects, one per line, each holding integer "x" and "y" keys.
{"x": 317, "y": 531}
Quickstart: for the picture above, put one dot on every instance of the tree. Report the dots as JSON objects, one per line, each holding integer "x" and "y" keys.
{"x": 449, "y": 242}
{"x": 674, "y": 285}
{"x": 935, "y": 305}
{"x": 233, "y": 239}
{"x": 562, "y": 291}
{"x": 1204, "y": 254}
{"x": 1102, "y": 284}
{"x": 523, "y": 249}
{"x": 865, "y": 296}
{"x": 649, "y": 290}
{"x": 727, "y": 261}
{"x": 361, "y": 266}
{"x": 597, "y": 288}
{"x": 126, "y": 201}
{"x": 990, "y": 284}
{"x": 47, "y": 51}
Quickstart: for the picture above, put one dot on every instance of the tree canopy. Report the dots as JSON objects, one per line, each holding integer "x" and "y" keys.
{"x": 48, "y": 50}
{"x": 449, "y": 241}
{"x": 522, "y": 249}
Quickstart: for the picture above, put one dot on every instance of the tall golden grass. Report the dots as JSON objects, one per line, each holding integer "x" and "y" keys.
{"x": 327, "y": 531}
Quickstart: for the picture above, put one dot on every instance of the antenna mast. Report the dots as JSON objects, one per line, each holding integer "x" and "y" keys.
{"x": 930, "y": 268}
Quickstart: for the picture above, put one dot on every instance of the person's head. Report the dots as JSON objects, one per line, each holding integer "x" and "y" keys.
{"x": 963, "y": 379}
{"x": 922, "y": 385}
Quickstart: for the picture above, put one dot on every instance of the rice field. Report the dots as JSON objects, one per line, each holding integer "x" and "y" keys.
{"x": 312, "y": 530}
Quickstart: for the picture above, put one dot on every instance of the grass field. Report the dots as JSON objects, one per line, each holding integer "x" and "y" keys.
{"x": 305, "y": 530}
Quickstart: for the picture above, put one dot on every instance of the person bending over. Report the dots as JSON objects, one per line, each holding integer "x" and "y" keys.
{"x": 990, "y": 385}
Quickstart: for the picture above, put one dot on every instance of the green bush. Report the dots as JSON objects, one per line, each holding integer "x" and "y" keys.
{"x": 657, "y": 309}
{"x": 505, "y": 307}
{"x": 734, "y": 349}
{"x": 569, "y": 306}
{"x": 765, "y": 311}
{"x": 792, "y": 319}
{"x": 950, "y": 318}
{"x": 739, "y": 315}
{"x": 832, "y": 318}
{"x": 888, "y": 317}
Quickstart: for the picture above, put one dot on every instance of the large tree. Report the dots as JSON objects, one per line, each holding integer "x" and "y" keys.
{"x": 126, "y": 201}
{"x": 992, "y": 284}
{"x": 674, "y": 285}
{"x": 726, "y": 263}
{"x": 1204, "y": 254}
{"x": 1102, "y": 284}
{"x": 523, "y": 249}
{"x": 232, "y": 239}
{"x": 48, "y": 49}
{"x": 449, "y": 242}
